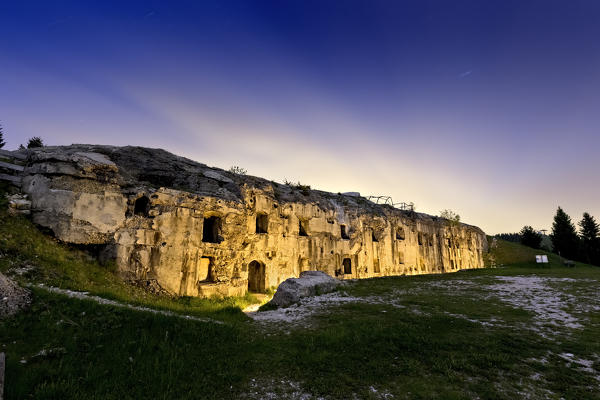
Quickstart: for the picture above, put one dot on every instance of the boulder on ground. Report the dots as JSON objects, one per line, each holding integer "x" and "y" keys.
{"x": 12, "y": 297}
{"x": 310, "y": 283}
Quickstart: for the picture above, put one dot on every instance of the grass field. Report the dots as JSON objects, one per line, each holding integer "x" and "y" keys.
{"x": 515, "y": 331}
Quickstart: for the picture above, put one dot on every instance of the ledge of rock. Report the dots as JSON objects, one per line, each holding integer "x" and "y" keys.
{"x": 12, "y": 297}
{"x": 310, "y": 283}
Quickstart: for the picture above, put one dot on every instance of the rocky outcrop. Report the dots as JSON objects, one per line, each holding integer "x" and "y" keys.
{"x": 201, "y": 231}
{"x": 310, "y": 283}
{"x": 12, "y": 297}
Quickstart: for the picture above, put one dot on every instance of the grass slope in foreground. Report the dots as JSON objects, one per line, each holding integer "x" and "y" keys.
{"x": 473, "y": 334}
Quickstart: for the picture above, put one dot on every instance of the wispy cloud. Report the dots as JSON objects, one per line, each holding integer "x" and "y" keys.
{"x": 465, "y": 74}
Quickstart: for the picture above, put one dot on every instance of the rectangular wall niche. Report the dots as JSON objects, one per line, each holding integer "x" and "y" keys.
{"x": 262, "y": 223}
{"x": 400, "y": 257}
{"x": 376, "y": 268}
{"x": 344, "y": 232}
{"x": 347, "y": 264}
{"x": 302, "y": 228}
{"x": 204, "y": 273}
{"x": 211, "y": 231}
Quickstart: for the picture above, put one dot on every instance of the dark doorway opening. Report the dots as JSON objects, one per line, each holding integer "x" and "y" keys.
{"x": 256, "y": 277}
{"x": 347, "y": 264}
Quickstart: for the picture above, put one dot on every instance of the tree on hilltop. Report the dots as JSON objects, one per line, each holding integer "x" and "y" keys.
{"x": 2, "y": 142}
{"x": 564, "y": 237}
{"x": 34, "y": 142}
{"x": 589, "y": 231}
{"x": 452, "y": 217}
{"x": 530, "y": 238}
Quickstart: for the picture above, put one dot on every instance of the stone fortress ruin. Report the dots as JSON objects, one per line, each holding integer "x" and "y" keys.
{"x": 200, "y": 231}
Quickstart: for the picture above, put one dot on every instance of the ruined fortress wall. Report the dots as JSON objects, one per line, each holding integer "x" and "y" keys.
{"x": 200, "y": 231}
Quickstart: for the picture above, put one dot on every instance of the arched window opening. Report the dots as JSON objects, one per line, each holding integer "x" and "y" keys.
{"x": 141, "y": 206}
{"x": 344, "y": 232}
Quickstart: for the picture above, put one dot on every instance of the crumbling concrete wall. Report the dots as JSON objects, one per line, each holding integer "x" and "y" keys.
{"x": 200, "y": 231}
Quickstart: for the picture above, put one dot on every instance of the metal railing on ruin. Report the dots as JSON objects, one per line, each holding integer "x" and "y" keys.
{"x": 389, "y": 201}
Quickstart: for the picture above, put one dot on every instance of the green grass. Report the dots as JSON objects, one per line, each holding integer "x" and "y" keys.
{"x": 56, "y": 264}
{"x": 428, "y": 341}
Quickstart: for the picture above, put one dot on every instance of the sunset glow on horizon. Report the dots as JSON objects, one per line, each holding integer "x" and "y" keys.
{"x": 486, "y": 108}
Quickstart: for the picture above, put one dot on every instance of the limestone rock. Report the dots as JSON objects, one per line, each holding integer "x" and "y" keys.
{"x": 310, "y": 283}
{"x": 200, "y": 231}
{"x": 19, "y": 204}
{"x": 12, "y": 297}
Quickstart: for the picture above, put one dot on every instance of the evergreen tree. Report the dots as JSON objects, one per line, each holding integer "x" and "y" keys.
{"x": 590, "y": 241}
{"x": 2, "y": 142}
{"x": 564, "y": 237}
{"x": 35, "y": 141}
{"x": 531, "y": 238}
{"x": 510, "y": 237}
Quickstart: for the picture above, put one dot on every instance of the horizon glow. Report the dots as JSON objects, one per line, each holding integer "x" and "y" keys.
{"x": 487, "y": 109}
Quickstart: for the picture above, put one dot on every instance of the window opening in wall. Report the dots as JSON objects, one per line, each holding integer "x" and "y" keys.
{"x": 373, "y": 237}
{"x": 347, "y": 264}
{"x": 344, "y": 232}
{"x": 141, "y": 206}
{"x": 376, "y": 268}
{"x": 302, "y": 228}
{"x": 211, "y": 230}
{"x": 262, "y": 223}
{"x": 400, "y": 233}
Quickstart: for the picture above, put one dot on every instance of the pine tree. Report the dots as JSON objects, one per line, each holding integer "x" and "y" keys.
{"x": 34, "y": 142}
{"x": 2, "y": 142}
{"x": 590, "y": 241}
{"x": 564, "y": 237}
{"x": 531, "y": 238}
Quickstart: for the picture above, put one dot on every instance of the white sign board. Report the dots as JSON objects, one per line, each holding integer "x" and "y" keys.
{"x": 542, "y": 259}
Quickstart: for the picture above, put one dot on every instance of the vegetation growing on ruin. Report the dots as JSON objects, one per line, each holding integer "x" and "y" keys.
{"x": 426, "y": 340}
{"x": 41, "y": 259}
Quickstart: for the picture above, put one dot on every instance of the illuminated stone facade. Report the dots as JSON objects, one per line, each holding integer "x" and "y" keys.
{"x": 200, "y": 231}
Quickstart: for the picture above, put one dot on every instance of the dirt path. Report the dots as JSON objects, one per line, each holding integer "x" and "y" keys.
{"x": 86, "y": 296}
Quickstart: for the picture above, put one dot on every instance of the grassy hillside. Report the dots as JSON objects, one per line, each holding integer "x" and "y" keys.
{"x": 472, "y": 334}
{"x": 43, "y": 259}
{"x": 515, "y": 254}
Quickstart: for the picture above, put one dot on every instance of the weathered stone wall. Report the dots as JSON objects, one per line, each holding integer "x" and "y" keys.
{"x": 199, "y": 231}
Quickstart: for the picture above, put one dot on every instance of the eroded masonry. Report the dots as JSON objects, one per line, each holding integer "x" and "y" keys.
{"x": 199, "y": 231}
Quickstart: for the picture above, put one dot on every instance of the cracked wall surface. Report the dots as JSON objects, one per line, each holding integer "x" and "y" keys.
{"x": 201, "y": 231}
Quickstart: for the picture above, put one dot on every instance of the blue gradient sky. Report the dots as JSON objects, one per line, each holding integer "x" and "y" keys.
{"x": 489, "y": 108}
